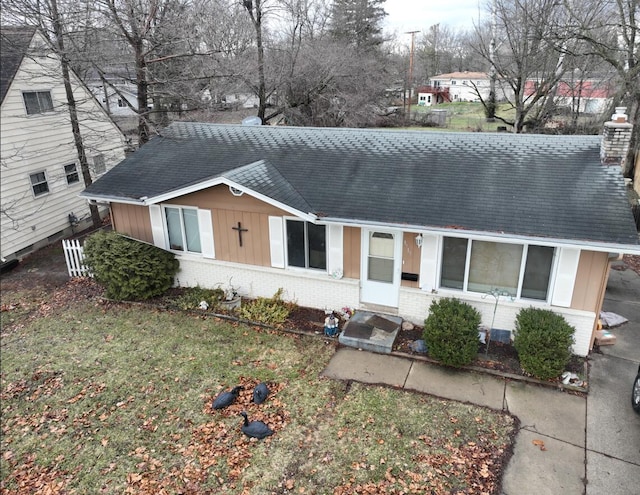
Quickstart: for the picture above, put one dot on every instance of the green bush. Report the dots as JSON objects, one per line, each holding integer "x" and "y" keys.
{"x": 543, "y": 340}
{"x": 129, "y": 269}
{"x": 193, "y": 296}
{"x": 451, "y": 332}
{"x": 269, "y": 310}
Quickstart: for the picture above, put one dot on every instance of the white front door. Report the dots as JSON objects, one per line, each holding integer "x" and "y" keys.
{"x": 381, "y": 266}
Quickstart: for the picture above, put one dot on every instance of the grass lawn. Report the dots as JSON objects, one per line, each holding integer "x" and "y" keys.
{"x": 115, "y": 398}
{"x": 466, "y": 116}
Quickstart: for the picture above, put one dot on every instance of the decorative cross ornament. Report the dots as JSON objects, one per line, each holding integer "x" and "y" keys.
{"x": 240, "y": 231}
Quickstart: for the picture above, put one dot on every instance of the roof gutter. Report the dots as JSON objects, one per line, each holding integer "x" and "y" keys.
{"x": 598, "y": 246}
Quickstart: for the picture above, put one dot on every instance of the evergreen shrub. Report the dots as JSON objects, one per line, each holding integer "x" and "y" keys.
{"x": 543, "y": 340}
{"x": 129, "y": 269}
{"x": 451, "y": 332}
{"x": 269, "y": 310}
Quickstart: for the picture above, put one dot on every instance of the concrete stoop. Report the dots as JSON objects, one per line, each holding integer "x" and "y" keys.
{"x": 371, "y": 332}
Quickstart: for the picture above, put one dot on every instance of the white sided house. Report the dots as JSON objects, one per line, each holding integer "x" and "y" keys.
{"x": 41, "y": 175}
{"x": 385, "y": 221}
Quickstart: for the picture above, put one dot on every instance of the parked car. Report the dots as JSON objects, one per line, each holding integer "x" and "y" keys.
{"x": 635, "y": 393}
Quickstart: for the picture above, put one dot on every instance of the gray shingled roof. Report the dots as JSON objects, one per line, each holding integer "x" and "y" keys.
{"x": 517, "y": 185}
{"x": 14, "y": 43}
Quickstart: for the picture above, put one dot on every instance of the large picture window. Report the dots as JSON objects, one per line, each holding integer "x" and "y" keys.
{"x": 183, "y": 229}
{"x": 481, "y": 266}
{"x": 306, "y": 245}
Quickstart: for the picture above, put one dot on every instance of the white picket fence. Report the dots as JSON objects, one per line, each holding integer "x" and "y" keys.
{"x": 74, "y": 255}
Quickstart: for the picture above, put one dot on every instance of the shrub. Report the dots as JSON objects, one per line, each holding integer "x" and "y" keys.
{"x": 269, "y": 310}
{"x": 193, "y": 296}
{"x": 543, "y": 340}
{"x": 451, "y": 332}
{"x": 129, "y": 269}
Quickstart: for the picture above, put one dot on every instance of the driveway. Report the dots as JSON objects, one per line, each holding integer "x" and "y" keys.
{"x": 613, "y": 428}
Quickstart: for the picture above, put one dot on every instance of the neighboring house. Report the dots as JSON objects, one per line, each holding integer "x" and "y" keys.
{"x": 461, "y": 86}
{"x": 387, "y": 221}
{"x": 115, "y": 90}
{"x": 41, "y": 175}
{"x": 432, "y": 95}
{"x": 589, "y": 96}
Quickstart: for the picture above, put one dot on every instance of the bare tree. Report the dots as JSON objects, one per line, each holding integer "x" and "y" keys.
{"x": 610, "y": 31}
{"x": 525, "y": 57}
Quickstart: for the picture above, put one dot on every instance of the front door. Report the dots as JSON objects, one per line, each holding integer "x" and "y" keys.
{"x": 381, "y": 266}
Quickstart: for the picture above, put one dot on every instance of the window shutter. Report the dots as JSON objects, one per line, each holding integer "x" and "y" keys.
{"x": 565, "y": 277}
{"x": 276, "y": 241}
{"x": 157, "y": 226}
{"x": 206, "y": 233}
{"x": 429, "y": 262}
{"x": 334, "y": 251}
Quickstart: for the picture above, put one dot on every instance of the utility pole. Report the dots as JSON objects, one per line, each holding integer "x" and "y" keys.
{"x": 413, "y": 35}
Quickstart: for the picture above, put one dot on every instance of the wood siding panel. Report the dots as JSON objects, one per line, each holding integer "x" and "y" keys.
{"x": 227, "y": 210}
{"x": 133, "y": 221}
{"x": 592, "y": 274}
{"x": 410, "y": 258}
{"x": 352, "y": 248}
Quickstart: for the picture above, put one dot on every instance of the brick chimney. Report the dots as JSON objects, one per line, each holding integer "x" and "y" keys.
{"x": 616, "y": 138}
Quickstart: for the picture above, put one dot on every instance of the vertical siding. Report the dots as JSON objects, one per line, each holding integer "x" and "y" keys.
{"x": 410, "y": 258}
{"x": 132, "y": 220}
{"x": 44, "y": 143}
{"x": 592, "y": 273}
{"x": 352, "y": 252}
{"x": 227, "y": 210}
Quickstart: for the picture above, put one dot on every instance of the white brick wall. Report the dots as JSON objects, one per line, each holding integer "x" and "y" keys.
{"x": 414, "y": 307}
{"x": 306, "y": 288}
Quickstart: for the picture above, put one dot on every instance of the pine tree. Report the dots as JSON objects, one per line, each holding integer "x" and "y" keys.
{"x": 358, "y": 22}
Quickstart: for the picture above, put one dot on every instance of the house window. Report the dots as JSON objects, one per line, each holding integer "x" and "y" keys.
{"x": 494, "y": 266}
{"x": 39, "y": 183}
{"x": 537, "y": 272}
{"x": 183, "y": 229}
{"x": 482, "y": 266}
{"x": 306, "y": 245}
{"x": 37, "y": 102}
{"x": 121, "y": 103}
{"x": 71, "y": 172}
{"x": 453, "y": 83}
{"x": 99, "y": 166}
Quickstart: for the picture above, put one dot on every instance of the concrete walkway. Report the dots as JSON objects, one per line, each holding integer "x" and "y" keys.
{"x": 557, "y": 418}
{"x": 592, "y": 443}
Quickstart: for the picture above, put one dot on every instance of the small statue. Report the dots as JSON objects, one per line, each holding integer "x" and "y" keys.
{"x": 331, "y": 325}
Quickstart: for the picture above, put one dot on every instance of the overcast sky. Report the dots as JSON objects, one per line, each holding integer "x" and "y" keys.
{"x": 419, "y": 15}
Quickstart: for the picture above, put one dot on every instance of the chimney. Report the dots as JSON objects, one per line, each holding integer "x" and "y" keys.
{"x": 616, "y": 138}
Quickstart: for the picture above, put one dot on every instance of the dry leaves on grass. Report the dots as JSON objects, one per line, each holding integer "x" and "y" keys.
{"x": 217, "y": 449}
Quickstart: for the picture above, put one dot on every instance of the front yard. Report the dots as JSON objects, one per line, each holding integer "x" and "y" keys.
{"x": 115, "y": 398}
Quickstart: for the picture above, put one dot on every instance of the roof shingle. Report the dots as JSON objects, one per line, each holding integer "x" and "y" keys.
{"x": 516, "y": 185}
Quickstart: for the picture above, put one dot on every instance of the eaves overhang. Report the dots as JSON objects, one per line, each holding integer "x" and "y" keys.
{"x": 216, "y": 181}
{"x": 599, "y": 246}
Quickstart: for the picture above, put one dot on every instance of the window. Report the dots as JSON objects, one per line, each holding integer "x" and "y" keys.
{"x": 454, "y": 256}
{"x": 39, "y": 183}
{"x": 306, "y": 245}
{"x": 537, "y": 272}
{"x": 183, "y": 229}
{"x": 380, "y": 261}
{"x": 494, "y": 266}
{"x": 37, "y": 102}
{"x": 72, "y": 173}
{"x": 480, "y": 266}
{"x": 121, "y": 103}
{"x": 98, "y": 164}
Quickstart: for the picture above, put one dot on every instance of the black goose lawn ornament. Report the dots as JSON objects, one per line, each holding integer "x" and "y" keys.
{"x": 255, "y": 429}
{"x": 260, "y": 393}
{"x": 225, "y": 399}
